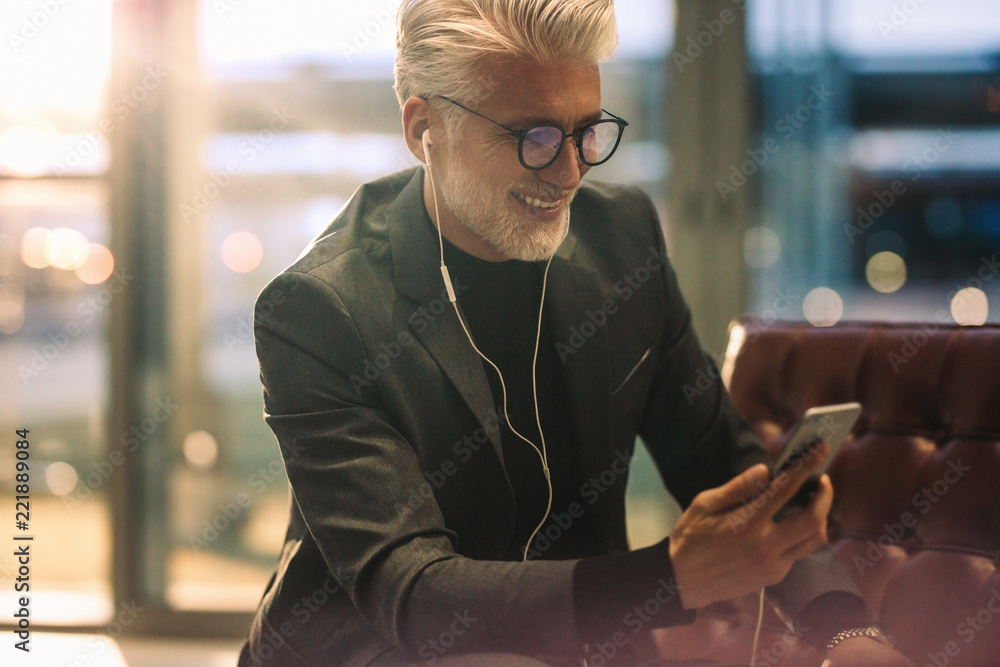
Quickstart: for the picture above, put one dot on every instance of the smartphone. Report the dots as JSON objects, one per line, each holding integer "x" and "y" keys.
{"x": 825, "y": 423}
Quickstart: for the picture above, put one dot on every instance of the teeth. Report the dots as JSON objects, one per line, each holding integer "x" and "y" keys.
{"x": 537, "y": 203}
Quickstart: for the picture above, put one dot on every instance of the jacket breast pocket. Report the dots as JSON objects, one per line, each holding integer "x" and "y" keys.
{"x": 635, "y": 372}
{"x": 628, "y": 399}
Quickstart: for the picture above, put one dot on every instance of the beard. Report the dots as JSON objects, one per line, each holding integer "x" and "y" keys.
{"x": 492, "y": 214}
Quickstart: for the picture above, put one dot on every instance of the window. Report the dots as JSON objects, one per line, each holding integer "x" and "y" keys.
{"x": 57, "y": 280}
{"x": 877, "y": 170}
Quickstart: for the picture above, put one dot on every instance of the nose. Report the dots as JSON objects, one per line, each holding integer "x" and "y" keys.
{"x": 567, "y": 171}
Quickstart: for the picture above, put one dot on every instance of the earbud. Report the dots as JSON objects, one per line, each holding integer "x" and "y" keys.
{"x": 426, "y": 141}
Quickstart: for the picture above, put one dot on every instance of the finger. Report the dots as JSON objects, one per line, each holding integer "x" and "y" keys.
{"x": 805, "y": 547}
{"x": 788, "y": 482}
{"x": 735, "y": 491}
{"x": 809, "y": 523}
{"x": 822, "y": 500}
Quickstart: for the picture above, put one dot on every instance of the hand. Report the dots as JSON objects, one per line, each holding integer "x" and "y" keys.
{"x": 866, "y": 652}
{"x": 722, "y": 548}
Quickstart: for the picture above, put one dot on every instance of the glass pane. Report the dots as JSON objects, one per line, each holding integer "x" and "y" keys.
{"x": 227, "y": 488}
{"x": 57, "y": 282}
{"x": 57, "y": 279}
{"x": 876, "y": 161}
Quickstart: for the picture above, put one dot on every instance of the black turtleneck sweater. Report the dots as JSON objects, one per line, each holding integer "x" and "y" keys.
{"x": 500, "y": 304}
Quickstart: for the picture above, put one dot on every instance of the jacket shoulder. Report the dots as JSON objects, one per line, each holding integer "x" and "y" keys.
{"x": 361, "y": 227}
{"x": 356, "y": 242}
{"x": 621, "y": 200}
{"x": 613, "y": 223}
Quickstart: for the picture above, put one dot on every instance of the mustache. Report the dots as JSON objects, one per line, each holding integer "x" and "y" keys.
{"x": 541, "y": 190}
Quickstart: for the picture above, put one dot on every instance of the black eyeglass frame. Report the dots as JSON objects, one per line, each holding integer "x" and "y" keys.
{"x": 577, "y": 135}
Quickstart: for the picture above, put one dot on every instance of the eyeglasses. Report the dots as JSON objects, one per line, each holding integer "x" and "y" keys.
{"x": 539, "y": 145}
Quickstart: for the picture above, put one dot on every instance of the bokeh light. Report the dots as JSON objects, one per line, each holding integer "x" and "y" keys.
{"x": 200, "y": 449}
{"x": 97, "y": 266}
{"x": 761, "y": 247}
{"x": 11, "y": 316}
{"x": 61, "y": 478}
{"x": 65, "y": 248}
{"x": 242, "y": 252}
{"x": 823, "y": 307}
{"x": 886, "y": 272}
{"x": 33, "y": 247}
{"x": 970, "y": 307}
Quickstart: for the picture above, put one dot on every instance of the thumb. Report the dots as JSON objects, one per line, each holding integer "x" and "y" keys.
{"x": 736, "y": 490}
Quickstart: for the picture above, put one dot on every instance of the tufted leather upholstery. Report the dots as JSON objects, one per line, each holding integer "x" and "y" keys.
{"x": 916, "y": 514}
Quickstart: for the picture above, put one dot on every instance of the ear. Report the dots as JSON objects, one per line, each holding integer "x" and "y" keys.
{"x": 418, "y": 116}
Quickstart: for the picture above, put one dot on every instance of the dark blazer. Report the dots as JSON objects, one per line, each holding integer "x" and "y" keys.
{"x": 401, "y": 507}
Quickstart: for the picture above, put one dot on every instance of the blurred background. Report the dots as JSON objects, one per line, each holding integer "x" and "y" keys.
{"x": 160, "y": 161}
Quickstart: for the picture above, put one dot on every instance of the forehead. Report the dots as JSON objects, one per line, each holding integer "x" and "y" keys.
{"x": 525, "y": 91}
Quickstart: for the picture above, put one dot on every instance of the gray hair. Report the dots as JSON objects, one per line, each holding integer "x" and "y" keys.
{"x": 440, "y": 43}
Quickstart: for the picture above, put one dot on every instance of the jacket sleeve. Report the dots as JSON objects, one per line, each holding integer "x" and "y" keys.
{"x": 699, "y": 440}
{"x": 351, "y": 470}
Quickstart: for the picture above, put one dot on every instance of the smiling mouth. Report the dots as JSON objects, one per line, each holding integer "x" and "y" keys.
{"x": 537, "y": 203}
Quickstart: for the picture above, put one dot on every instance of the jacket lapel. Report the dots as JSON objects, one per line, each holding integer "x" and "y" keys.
{"x": 417, "y": 260}
{"x": 585, "y": 358}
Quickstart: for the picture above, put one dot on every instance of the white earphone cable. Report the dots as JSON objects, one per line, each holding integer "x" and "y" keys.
{"x": 756, "y": 634}
{"x": 542, "y": 454}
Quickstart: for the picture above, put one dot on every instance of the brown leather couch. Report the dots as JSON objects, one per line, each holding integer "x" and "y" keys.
{"x": 916, "y": 514}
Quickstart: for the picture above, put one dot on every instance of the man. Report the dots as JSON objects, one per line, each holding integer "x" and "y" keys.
{"x": 420, "y": 479}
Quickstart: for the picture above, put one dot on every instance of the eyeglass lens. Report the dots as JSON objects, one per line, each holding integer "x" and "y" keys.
{"x": 597, "y": 143}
